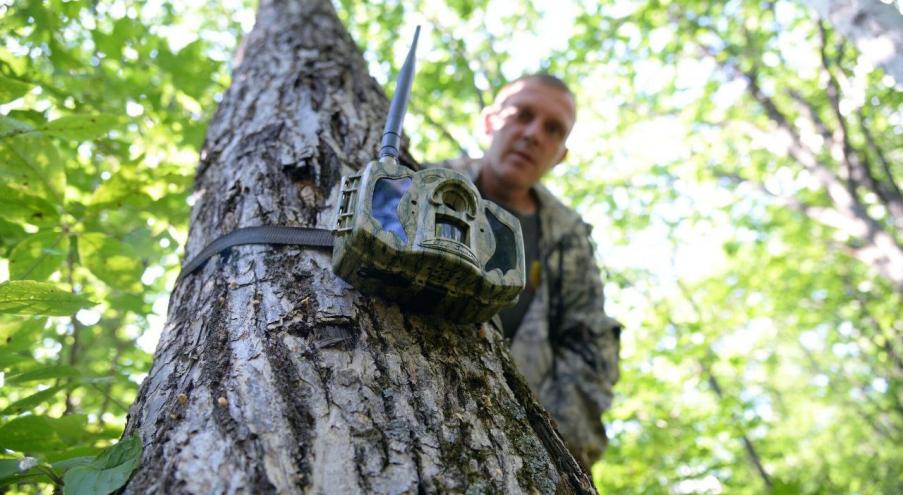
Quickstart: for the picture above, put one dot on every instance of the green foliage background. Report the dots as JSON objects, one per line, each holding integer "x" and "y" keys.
{"x": 761, "y": 353}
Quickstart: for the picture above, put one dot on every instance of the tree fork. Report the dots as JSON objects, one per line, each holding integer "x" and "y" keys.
{"x": 272, "y": 374}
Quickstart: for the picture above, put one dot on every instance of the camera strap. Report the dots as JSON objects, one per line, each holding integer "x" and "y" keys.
{"x": 265, "y": 234}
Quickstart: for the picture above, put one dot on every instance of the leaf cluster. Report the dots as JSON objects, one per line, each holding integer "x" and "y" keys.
{"x": 102, "y": 113}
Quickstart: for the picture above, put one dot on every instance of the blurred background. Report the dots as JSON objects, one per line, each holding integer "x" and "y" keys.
{"x": 740, "y": 161}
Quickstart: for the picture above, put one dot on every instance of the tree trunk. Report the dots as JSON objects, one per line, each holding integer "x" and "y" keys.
{"x": 272, "y": 374}
{"x": 875, "y": 27}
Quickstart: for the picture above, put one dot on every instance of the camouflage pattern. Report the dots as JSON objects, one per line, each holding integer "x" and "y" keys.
{"x": 427, "y": 240}
{"x": 566, "y": 346}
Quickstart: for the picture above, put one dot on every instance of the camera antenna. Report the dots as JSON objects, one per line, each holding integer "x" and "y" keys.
{"x": 391, "y": 142}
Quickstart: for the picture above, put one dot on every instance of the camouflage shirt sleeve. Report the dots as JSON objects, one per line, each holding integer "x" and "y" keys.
{"x": 585, "y": 344}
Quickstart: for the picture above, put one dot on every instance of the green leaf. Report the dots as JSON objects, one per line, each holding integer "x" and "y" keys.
{"x": 108, "y": 472}
{"x": 111, "y": 260}
{"x": 31, "y": 163}
{"x": 84, "y": 449}
{"x": 44, "y": 373}
{"x": 11, "y": 127}
{"x": 29, "y": 434}
{"x": 10, "y": 89}
{"x": 122, "y": 187}
{"x": 70, "y": 428}
{"x": 10, "y": 233}
{"x": 8, "y": 467}
{"x": 10, "y": 357}
{"x": 73, "y": 462}
{"x": 29, "y": 403}
{"x": 27, "y": 297}
{"x": 20, "y": 206}
{"x": 38, "y": 256}
{"x": 30, "y": 476}
{"x": 19, "y": 336}
{"x": 42, "y": 434}
{"x": 80, "y": 127}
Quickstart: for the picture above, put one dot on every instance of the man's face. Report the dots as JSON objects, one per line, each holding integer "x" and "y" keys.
{"x": 528, "y": 128}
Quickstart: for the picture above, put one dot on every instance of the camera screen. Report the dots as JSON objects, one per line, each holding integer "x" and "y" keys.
{"x": 505, "y": 251}
{"x": 387, "y": 194}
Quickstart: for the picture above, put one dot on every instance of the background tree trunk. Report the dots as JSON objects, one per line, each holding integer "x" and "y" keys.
{"x": 272, "y": 374}
{"x": 875, "y": 27}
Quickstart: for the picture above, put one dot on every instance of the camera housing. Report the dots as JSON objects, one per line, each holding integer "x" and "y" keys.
{"x": 427, "y": 240}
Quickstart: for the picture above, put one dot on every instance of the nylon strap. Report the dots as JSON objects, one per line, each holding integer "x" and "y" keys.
{"x": 267, "y": 234}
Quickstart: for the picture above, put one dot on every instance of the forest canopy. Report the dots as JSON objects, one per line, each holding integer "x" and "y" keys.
{"x": 740, "y": 162}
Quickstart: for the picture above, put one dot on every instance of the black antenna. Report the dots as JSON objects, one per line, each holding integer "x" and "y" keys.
{"x": 392, "y": 133}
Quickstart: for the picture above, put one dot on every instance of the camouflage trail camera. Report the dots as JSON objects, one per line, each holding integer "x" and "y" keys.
{"x": 427, "y": 240}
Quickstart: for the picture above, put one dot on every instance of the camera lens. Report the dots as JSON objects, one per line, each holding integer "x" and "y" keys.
{"x": 448, "y": 229}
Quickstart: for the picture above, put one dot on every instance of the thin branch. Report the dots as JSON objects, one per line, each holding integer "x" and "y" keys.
{"x": 750, "y": 448}
{"x": 747, "y": 443}
{"x": 48, "y": 471}
{"x": 76, "y": 328}
{"x": 869, "y": 419}
{"x": 833, "y": 92}
{"x": 108, "y": 389}
{"x": 879, "y": 336}
{"x": 858, "y": 164}
{"x": 881, "y": 250}
{"x": 441, "y": 128}
{"x": 887, "y": 343}
{"x": 893, "y": 188}
{"x": 812, "y": 114}
{"x": 120, "y": 405}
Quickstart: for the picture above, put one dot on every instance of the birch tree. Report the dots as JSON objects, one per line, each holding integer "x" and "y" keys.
{"x": 875, "y": 27}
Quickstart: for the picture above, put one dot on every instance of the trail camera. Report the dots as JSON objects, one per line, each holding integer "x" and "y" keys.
{"x": 425, "y": 239}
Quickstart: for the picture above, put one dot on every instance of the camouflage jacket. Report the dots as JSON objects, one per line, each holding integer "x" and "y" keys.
{"x": 566, "y": 346}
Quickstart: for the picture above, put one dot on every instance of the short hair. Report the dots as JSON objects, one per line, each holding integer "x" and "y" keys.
{"x": 543, "y": 78}
{"x": 546, "y": 79}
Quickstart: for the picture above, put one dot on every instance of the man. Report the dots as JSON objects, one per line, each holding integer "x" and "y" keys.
{"x": 561, "y": 339}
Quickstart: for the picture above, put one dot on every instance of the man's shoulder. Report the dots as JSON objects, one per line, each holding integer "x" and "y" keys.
{"x": 557, "y": 218}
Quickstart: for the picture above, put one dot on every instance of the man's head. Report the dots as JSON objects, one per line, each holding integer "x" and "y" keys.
{"x": 528, "y": 125}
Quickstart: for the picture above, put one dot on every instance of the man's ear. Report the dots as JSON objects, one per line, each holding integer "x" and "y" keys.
{"x": 564, "y": 154}
{"x": 487, "y": 115}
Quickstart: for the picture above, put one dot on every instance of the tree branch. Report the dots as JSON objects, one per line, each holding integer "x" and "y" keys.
{"x": 747, "y": 443}
{"x": 882, "y": 158}
{"x": 77, "y": 328}
{"x": 441, "y": 128}
{"x": 812, "y": 114}
{"x": 858, "y": 164}
{"x": 880, "y": 250}
{"x": 751, "y": 452}
{"x": 879, "y": 336}
{"x": 842, "y": 138}
{"x": 869, "y": 419}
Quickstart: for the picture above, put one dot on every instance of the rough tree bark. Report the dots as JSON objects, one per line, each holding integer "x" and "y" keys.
{"x": 272, "y": 374}
{"x": 874, "y": 26}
